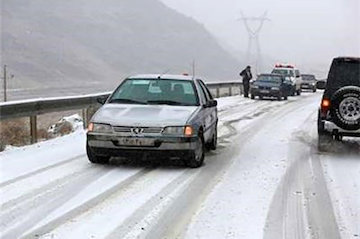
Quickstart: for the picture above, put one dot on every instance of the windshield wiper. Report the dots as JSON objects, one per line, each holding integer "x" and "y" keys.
{"x": 165, "y": 102}
{"x": 130, "y": 101}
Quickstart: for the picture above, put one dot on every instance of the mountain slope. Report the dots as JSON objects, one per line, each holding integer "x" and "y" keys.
{"x": 56, "y": 43}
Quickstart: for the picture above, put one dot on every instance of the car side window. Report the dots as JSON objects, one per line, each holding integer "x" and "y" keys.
{"x": 205, "y": 90}
{"x": 201, "y": 93}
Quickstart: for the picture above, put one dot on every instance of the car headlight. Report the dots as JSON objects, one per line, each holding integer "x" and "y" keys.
{"x": 179, "y": 130}
{"x": 275, "y": 88}
{"x": 99, "y": 128}
{"x": 255, "y": 87}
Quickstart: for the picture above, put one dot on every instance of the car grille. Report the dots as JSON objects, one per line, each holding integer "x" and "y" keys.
{"x": 144, "y": 130}
{"x": 264, "y": 88}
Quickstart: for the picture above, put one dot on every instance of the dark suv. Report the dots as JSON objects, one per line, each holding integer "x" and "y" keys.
{"x": 339, "y": 113}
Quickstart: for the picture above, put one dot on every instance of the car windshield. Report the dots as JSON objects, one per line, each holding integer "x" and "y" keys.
{"x": 283, "y": 72}
{"x": 270, "y": 79}
{"x": 308, "y": 77}
{"x": 155, "y": 91}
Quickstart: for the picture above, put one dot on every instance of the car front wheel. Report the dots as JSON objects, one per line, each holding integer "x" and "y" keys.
{"x": 212, "y": 145}
{"x": 196, "y": 158}
{"x": 93, "y": 158}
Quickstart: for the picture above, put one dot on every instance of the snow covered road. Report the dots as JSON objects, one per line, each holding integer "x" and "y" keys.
{"x": 265, "y": 180}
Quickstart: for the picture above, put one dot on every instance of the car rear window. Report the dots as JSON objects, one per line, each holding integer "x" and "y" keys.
{"x": 343, "y": 73}
{"x": 156, "y": 91}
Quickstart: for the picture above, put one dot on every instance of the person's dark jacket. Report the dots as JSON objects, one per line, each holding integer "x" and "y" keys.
{"x": 246, "y": 75}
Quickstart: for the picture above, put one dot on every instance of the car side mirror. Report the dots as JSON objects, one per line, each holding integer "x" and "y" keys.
{"x": 210, "y": 103}
{"x": 321, "y": 85}
{"x": 101, "y": 100}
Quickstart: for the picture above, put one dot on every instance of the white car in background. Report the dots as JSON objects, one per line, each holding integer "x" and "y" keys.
{"x": 293, "y": 73}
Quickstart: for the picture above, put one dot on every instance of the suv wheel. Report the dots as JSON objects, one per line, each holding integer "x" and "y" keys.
{"x": 345, "y": 108}
{"x": 93, "y": 158}
{"x": 196, "y": 158}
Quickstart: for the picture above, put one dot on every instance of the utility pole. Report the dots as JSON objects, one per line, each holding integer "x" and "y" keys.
{"x": 5, "y": 78}
{"x": 254, "y": 38}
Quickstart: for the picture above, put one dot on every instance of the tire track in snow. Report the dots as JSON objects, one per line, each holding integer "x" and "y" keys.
{"x": 300, "y": 206}
{"x": 41, "y": 170}
{"x": 177, "y": 217}
{"x": 84, "y": 205}
{"x": 18, "y": 217}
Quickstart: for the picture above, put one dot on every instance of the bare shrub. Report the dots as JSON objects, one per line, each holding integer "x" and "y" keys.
{"x": 14, "y": 132}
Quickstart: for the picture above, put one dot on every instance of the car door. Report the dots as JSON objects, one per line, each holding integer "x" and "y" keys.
{"x": 210, "y": 113}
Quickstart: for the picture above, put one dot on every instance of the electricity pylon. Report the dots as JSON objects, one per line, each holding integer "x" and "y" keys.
{"x": 254, "y": 39}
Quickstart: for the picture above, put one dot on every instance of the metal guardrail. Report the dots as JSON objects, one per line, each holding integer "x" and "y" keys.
{"x": 33, "y": 108}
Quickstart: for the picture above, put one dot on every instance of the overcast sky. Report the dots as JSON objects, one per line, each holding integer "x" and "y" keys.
{"x": 308, "y": 33}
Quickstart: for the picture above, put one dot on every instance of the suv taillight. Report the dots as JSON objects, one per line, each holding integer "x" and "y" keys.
{"x": 325, "y": 106}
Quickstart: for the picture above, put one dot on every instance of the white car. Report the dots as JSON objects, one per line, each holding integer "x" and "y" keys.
{"x": 155, "y": 116}
{"x": 293, "y": 73}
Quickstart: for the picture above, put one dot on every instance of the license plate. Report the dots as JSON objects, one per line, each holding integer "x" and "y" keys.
{"x": 136, "y": 142}
{"x": 265, "y": 91}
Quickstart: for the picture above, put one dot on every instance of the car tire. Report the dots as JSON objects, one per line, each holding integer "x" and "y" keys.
{"x": 314, "y": 90}
{"x": 260, "y": 97}
{"x": 279, "y": 97}
{"x": 285, "y": 97}
{"x": 213, "y": 144}
{"x": 345, "y": 108}
{"x": 93, "y": 158}
{"x": 197, "y": 156}
{"x": 298, "y": 92}
{"x": 324, "y": 138}
{"x": 252, "y": 97}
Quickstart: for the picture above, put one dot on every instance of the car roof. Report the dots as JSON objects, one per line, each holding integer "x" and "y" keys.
{"x": 162, "y": 76}
{"x": 346, "y": 58}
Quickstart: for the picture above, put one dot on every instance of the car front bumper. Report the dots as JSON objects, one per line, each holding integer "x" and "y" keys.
{"x": 112, "y": 145}
{"x": 266, "y": 93}
{"x": 308, "y": 87}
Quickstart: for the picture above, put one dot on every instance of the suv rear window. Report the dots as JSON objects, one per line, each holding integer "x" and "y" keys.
{"x": 343, "y": 72}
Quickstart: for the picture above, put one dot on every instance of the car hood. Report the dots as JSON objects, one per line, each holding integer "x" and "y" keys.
{"x": 143, "y": 115}
{"x": 266, "y": 84}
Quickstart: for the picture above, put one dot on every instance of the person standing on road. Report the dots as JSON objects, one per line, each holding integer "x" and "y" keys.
{"x": 246, "y": 77}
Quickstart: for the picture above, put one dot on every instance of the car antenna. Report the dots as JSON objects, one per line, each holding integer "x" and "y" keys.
{"x": 159, "y": 77}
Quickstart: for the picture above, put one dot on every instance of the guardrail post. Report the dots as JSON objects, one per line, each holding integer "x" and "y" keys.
{"x": 85, "y": 117}
{"x": 230, "y": 90}
{"x": 217, "y": 92}
{"x": 33, "y": 129}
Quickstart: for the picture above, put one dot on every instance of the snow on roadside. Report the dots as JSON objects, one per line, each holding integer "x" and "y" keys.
{"x": 342, "y": 174}
{"x": 18, "y": 161}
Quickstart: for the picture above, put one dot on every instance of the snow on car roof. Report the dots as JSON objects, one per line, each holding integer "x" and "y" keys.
{"x": 167, "y": 76}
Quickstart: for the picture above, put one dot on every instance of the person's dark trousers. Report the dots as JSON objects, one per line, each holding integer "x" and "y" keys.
{"x": 246, "y": 85}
